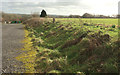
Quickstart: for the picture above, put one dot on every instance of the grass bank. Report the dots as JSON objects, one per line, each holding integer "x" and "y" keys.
{"x": 70, "y": 47}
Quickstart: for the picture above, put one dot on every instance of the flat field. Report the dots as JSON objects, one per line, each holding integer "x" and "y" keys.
{"x": 106, "y": 21}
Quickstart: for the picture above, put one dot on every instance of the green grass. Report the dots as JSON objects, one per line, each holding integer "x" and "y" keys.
{"x": 103, "y": 21}
{"x": 70, "y": 46}
{"x": 108, "y": 22}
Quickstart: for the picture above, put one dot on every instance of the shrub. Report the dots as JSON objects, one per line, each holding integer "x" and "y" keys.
{"x": 35, "y": 22}
{"x": 97, "y": 26}
{"x": 111, "y": 29}
{"x": 102, "y": 28}
{"x": 86, "y": 24}
{"x": 113, "y": 26}
{"x": 92, "y": 24}
{"x": 43, "y": 13}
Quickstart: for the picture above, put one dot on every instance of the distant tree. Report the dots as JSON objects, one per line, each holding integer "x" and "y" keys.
{"x": 87, "y": 15}
{"x": 43, "y": 13}
{"x": 74, "y": 16}
{"x": 70, "y": 16}
{"x": 118, "y": 16}
{"x": 11, "y": 17}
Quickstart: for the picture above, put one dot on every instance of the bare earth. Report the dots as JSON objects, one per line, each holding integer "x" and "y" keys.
{"x": 12, "y": 35}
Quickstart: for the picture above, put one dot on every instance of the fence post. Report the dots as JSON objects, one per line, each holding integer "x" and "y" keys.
{"x": 53, "y": 20}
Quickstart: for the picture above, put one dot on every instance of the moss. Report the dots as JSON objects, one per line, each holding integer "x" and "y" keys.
{"x": 28, "y": 57}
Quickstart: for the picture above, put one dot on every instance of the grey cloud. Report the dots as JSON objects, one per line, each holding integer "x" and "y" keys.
{"x": 41, "y": 0}
{"x": 39, "y": 4}
{"x": 27, "y": 7}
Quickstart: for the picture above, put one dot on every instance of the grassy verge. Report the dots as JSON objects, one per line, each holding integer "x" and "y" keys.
{"x": 29, "y": 55}
{"x": 71, "y": 48}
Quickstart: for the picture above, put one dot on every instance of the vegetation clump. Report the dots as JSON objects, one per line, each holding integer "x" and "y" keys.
{"x": 113, "y": 26}
{"x": 86, "y": 24}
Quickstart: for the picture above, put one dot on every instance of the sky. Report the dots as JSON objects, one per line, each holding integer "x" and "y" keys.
{"x": 61, "y": 7}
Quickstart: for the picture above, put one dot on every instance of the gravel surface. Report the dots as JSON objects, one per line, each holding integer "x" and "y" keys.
{"x": 12, "y": 35}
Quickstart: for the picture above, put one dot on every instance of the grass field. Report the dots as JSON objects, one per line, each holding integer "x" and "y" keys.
{"x": 72, "y": 45}
{"x": 104, "y": 21}
{"x": 105, "y": 25}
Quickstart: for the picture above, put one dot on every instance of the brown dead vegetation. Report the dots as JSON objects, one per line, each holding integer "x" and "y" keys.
{"x": 34, "y": 22}
{"x": 97, "y": 40}
{"x": 60, "y": 26}
{"x": 74, "y": 41}
{"x": 50, "y": 34}
{"x": 10, "y": 17}
{"x": 94, "y": 41}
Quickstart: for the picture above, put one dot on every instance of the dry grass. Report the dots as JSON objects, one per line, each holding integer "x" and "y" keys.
{"x": 10, "y": 17}
{"x": 33, "y": 22}
{"x": 74, "y": 41}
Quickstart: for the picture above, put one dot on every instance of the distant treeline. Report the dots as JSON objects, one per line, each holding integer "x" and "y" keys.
{"x": 86, "y": 15}
{"x": 23, "y": 17}
{"x": 14, "y": 17}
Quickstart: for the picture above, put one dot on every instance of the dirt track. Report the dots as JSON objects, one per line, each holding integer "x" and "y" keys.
{"x": 12, "y": 35}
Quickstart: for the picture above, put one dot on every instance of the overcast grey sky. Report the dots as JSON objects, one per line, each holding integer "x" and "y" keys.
{"x": 61, "y": 7}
